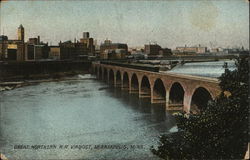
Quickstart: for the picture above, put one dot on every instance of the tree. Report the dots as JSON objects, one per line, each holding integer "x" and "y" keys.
{"x": 220, "y": 131}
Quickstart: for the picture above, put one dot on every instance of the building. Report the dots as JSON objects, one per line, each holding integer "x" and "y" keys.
{"x": 153, "y": 50}
{"x": 36, "y": 50}
{"x": 89, "y": 42}
{"x": 3, "y": 46}
{"x": 3, "y": 38}
{"x": 85, "y": 35}
{"x": 55, "y": 52}
{"x": 20, "y": 33}
{"x": 113, "y": 54}
{"x": 34, "y": 41}
{"x": 70, "y": 50}
{"x": 29, "y": 52}
{"x": 187, "y": 49}
{"x": 191, "y": 50}
{"x": 201, "y": 49}
{"x": 115, "y": 50}
{"x": 165, "y": 52}
{"x": 41, "y": 51}
{"x": 13, "y": 50}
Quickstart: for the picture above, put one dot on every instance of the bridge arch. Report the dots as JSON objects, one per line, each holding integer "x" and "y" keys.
{"x": 176, "y": 95}
{"x": 159, "y": 92}
{"x": 125, "y": 81}
{"x": 145, "y": 87}
{"x": 105, "y": 74}
{"x": 134, "y": 83}
{"x": 111, "y": 76}
{"x": 200, "y": 98}
{"x": 118, "y": 78}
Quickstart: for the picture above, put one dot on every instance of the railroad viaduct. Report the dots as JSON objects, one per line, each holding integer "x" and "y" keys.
{"x": 189, "y": 93}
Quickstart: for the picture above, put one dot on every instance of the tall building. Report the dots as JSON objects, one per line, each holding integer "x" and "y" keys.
{"x": 85, "y": 35}
{"x": 86, "y": 40}
{"x": 3, "y": 46}
{"x": 20, "y": 33}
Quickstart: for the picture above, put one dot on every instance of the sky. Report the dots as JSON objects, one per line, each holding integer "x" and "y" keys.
{"x": 169, "y": 23}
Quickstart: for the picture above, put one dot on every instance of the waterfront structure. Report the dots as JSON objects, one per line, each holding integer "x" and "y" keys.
{"x": 41, "y": 51}
{"x": 54, "y": 52}
{"x": 70, "y": 50}
{"x": 15, "y": 51}
{"x": 36, "y": 50}
{"x": 191, "y": 93}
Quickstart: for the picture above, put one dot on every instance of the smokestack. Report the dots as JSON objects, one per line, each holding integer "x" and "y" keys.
{"x": 38, "y": 39}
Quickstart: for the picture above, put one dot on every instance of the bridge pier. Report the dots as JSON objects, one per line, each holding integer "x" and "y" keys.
{"x": 114, "y": 83}
{"x": 187, "y": 102}
{"x": 151, "y": 93}
{"x": 167, "y": 100}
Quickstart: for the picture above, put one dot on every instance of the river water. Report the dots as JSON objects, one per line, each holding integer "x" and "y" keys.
{"x": 83, "y": 111}
{"x": 204, "y": 69}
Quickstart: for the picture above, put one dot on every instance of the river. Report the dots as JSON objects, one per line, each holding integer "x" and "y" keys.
{"x": 84, "y": 112}
{"x": 204, "y": 69}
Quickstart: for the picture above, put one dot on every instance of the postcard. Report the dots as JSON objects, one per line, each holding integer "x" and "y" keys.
{"x": 124, "y": 80}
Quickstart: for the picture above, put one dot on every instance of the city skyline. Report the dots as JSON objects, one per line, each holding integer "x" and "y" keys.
{"x": 169, "y": 23}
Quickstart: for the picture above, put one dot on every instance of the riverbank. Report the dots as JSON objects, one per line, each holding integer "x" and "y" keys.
{"x": 17, "y": 74}
{"x": 19, "y": 81}
{"x": 16, "y": 71}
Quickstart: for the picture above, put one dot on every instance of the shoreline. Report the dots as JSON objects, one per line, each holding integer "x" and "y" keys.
{"x": 16, "y": 82}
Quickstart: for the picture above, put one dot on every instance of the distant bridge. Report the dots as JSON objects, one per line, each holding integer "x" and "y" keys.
{"x": 189, "y": 93}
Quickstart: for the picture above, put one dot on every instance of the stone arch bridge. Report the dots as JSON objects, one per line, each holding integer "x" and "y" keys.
{"x": 189, "y": 93}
